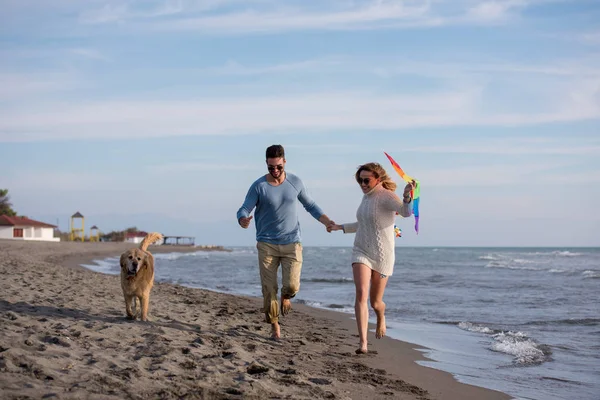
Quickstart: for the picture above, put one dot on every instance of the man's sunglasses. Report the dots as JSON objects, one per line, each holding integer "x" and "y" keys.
{"x": 275, "y": 167}
{"x": 366, "y": 181}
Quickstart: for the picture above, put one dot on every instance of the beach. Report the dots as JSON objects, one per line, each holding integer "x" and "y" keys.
{"x": 63, "y": 334}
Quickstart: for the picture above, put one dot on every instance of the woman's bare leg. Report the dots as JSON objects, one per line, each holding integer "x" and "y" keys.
{"x": 362, "y": 281}
{"x": 378, "y": 284}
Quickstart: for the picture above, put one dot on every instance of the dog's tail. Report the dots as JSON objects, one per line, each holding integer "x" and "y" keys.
{"x": 149, "y": 239}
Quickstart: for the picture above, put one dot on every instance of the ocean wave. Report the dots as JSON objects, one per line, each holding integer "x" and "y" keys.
{"x": 106, "y": 266}
{"x": 468, "y": 326}
{"x": 525, "y": 351}
{"x": 243, "y": 251}
{"x": 558, "y": 253}
{"x": 176, "y": 256}
{"x": 565, "y": 253}
{"x": 506, "y": 265}
{"x": 310, "y": 303}
{"x": 523, "y": 261}
{"x": 573, "y": 321}
{"x": 341, "y": 308}
{"x": 490, "y": 257}
{"x": 336, "y": 307}
{"x": 591, "y": 274}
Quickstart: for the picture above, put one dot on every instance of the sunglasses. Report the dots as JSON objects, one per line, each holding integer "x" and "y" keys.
{"x": 366, "y": 181}
{"x": 275, "y": 167}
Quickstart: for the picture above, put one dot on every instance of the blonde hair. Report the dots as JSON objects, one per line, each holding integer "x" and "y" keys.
{"x": 379, "y": 172}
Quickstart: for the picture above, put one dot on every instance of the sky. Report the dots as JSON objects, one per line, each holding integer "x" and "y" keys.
{"x": 157, "y": 114}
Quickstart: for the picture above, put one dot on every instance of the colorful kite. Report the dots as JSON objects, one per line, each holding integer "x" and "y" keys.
{"x": 415, "y": 193}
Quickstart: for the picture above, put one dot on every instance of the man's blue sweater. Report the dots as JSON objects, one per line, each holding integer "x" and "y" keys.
{"x": 276, "y": 213}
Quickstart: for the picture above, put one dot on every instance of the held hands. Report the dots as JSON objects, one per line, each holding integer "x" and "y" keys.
{"x": 332, "y": 226}
{"x": 245, "y": 221}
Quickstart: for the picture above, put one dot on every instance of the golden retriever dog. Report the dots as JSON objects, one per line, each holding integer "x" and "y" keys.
{"x": 137, "y": 277}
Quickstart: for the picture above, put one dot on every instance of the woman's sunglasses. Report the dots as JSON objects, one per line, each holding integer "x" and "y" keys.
{"x": 366, "y": 181}
{"x": 275, "y": 167}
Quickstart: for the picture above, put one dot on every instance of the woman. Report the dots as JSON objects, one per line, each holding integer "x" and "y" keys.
{"x": 373, "y": 253}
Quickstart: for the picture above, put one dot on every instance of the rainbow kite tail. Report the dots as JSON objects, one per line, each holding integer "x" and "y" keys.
{"x": 416, "y": 200}
{"x": 416, "y": 214}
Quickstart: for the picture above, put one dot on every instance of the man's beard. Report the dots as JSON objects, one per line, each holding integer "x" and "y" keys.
{"x": 278, "y": 176}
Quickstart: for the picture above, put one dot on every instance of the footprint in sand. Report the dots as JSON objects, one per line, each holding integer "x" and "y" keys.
{"x": 320, "y": 381}
{"x": 250, "y": 347}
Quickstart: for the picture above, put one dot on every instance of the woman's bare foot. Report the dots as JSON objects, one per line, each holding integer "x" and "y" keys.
{"x": 362, "y": 349}
{"x": 286, "y": 306}
{"x": 380, "y": 331}
{"x": 275, "y": 331}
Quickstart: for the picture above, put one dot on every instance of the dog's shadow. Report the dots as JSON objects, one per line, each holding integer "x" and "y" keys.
{"x": 22, "y": 308}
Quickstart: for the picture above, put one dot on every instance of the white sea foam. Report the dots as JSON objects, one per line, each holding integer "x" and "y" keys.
{"x": 589, "y": 274}
{"x": 565, "y": 254}
{"x": 468, "y": 326}
{"x": 490, "y": 257}
{"x": 176, "y": 256}
{"x": 523, "y": 261}
{"x": 517, "y": 344}
{"x": 106, "y": 266}
{"x": 508, "y": 266}
{"x": 557, "y": 271}
{"x": 524, "y": 350}
{"x": 337, "y": 308}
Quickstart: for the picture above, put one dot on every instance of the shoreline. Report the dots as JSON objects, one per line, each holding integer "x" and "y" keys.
{"x": 199, "y": 343}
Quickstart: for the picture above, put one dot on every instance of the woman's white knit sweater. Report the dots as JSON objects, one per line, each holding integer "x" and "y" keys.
{"x": 374, "y": 241}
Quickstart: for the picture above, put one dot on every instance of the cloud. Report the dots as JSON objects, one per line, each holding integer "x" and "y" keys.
{"x": 508, "y": 146}
{"x": 235, "y": 115}
{"x": 450, "y": 70}
{"x": 338, "y": 111}
{"x": 590, "y": 37}
{"x": 92, "y": 54}
{"x": 57, "y": 181}
{"x": 260, "y": 16}
{"x": 15, "y": 86}
{"x": 368, "y": 16}
{"x": 168, "y": 168}
{"x": 110, "y": 13}
{"x": 494, "y": 10}
{"x": 235, "y": 68}
{"x": 234, "y": 17}
{"x": 486, "y": 175}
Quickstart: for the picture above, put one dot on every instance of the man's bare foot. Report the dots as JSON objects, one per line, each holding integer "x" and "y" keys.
{"x": 380, "y": 331}
{"x": 286, "y": 306}
{"x": 275, "y": 331}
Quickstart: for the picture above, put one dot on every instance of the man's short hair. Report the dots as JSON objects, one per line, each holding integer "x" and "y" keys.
{"x": 275, "y": 151}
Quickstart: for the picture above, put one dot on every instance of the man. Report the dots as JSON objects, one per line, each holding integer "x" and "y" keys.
{"x": 275, "y": 196}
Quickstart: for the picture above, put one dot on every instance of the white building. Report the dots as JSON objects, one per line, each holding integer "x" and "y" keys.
{"x": 23, "y": 228}
{"x": 135, "y": 237}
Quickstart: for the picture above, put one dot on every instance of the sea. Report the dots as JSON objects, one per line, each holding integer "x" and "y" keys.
{"x": 524, "y": 321}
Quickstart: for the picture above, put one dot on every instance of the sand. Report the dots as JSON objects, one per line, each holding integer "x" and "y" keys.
{"x": 64, "y": 335}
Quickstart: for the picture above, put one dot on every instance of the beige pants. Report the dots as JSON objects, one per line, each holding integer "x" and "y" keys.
{"x": 269, "y": 258}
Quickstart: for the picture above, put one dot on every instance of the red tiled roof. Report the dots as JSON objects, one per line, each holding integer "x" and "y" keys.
{"x": 23, "y": 221}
